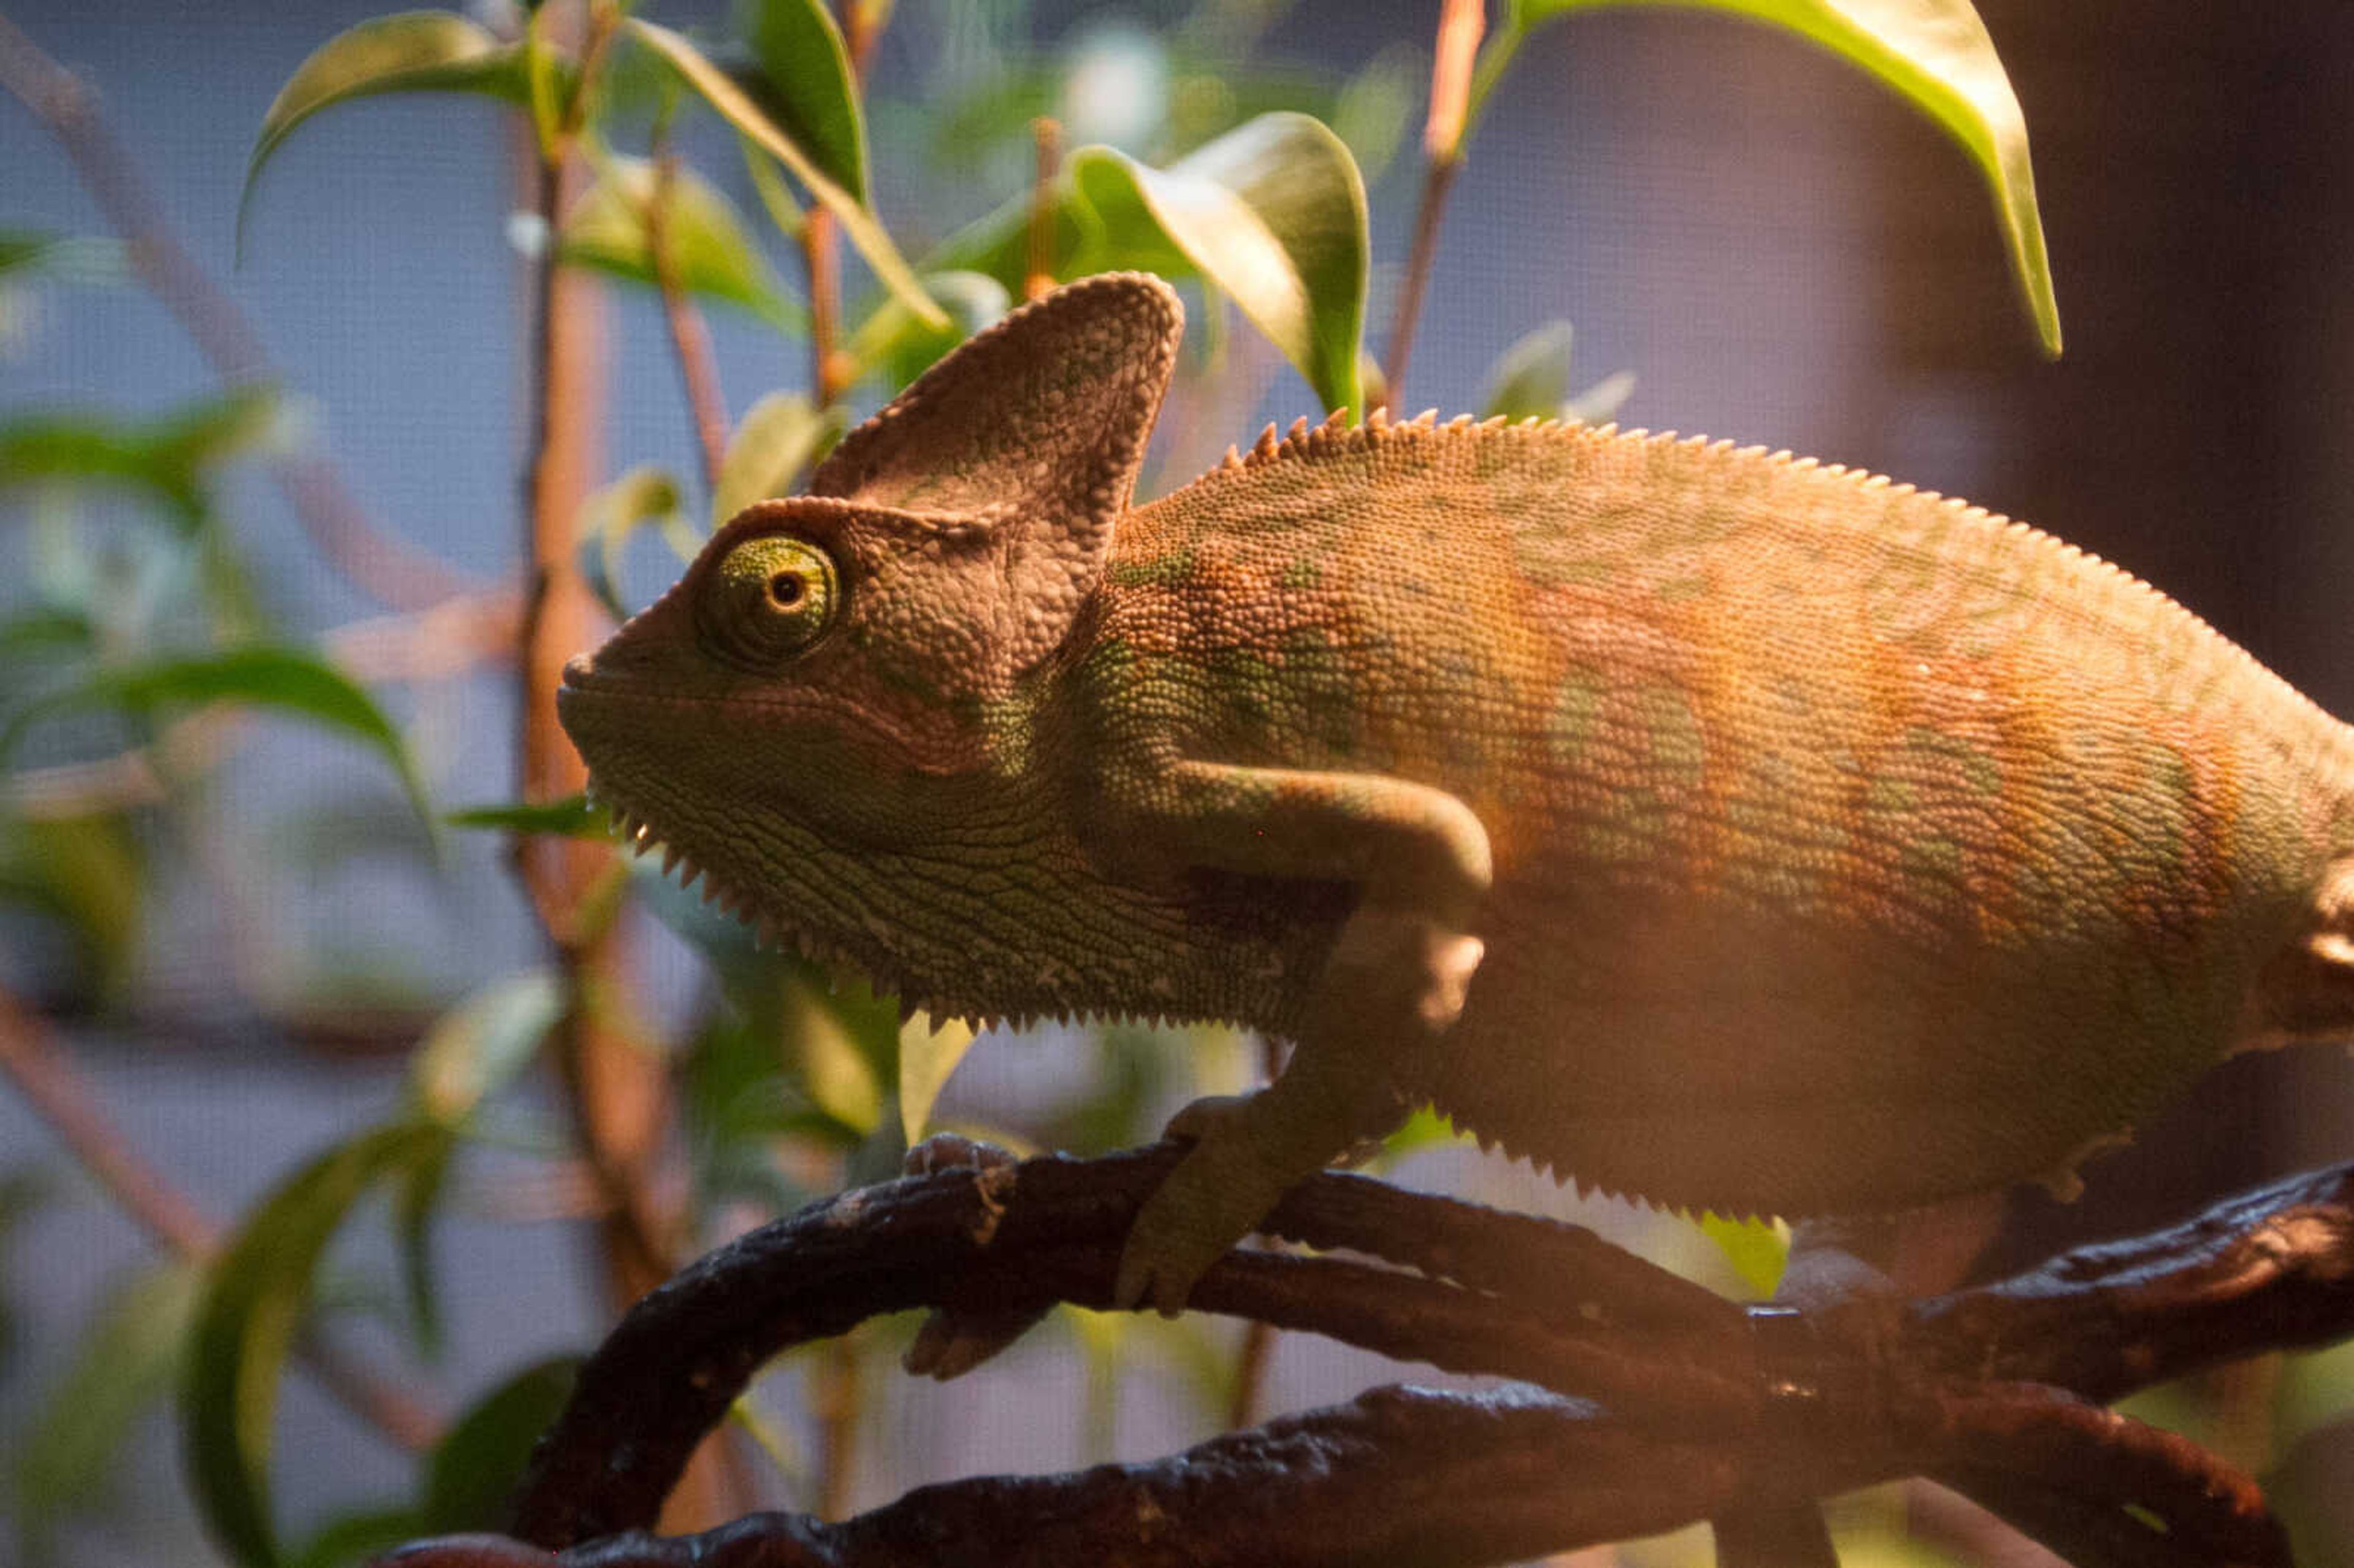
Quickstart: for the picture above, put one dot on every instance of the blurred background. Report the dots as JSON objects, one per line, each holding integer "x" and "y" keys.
{"x": 228, "y": 935}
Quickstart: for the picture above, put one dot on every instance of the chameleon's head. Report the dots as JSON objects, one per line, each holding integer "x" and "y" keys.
{"x": 837, "y": 687}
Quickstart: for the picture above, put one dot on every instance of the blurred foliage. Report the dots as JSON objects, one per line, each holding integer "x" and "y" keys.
{"x": 137, "y": 659}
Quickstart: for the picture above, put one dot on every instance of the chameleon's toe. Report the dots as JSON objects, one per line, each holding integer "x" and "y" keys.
{"x": 1159, "y": 1271}
{"x": 1217, "y": 1194}
{"x": 952, "y": 1152}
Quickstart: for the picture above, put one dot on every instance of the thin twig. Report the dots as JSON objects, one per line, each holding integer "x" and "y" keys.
{"x": 392, "y": 572}
{"x": 690, "y": 341}
{"x": 29, "y": 1056}
{"x": 1461, "y": 25}
{"x": 1038, "y": 276}
{"x": 30, "y": 1059}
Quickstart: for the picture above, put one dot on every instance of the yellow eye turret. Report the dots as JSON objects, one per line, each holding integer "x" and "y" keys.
{"x": 768, "y": 598}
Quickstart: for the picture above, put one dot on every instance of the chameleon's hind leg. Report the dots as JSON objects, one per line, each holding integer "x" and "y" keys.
{"x": 1391, "y": 985}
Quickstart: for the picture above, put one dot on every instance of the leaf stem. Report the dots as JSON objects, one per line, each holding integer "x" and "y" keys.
{"x": 690, "y": 340}
{"x": 391, "y": 571}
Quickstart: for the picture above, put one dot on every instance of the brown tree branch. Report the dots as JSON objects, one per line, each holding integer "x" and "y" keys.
{"x": 1673, "y": 1404}
{"x": 392, "y": 572}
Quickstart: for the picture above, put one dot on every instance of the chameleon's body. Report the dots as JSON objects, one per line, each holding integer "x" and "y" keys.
{"x": 1834, "y": 847}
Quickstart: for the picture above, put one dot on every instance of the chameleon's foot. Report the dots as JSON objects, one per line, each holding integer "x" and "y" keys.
{"x": 1213, "y": 1198}
{"x": 951, "y": 1343}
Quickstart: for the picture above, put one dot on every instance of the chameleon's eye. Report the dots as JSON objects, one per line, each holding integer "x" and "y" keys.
{"x": 768, "y": 598}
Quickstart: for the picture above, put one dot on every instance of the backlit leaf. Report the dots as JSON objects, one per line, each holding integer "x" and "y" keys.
{"x": 927, "y": 1055}
{"x": 804, "y": 68}
{"x": 1938, "y": 56}
{"x": 256, "y": 1295}
{"x": 727, "y": 99}
{"x": 408, "y": 52}
{"x": 1272, "y": 214}
{"x": 777, "y": 440}
{"x": 1758, "y": 1249}
{"x": 710, "y": 252}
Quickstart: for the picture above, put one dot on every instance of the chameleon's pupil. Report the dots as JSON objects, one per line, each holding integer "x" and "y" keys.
{"x": 786, "y": 589}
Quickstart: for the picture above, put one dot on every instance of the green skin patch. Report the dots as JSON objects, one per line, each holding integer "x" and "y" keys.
{"x": 1722, "y": 829}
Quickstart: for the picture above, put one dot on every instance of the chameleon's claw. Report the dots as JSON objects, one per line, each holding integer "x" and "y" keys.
{"x": 952, "y": 1150}
{"x": 951, "y": 1343}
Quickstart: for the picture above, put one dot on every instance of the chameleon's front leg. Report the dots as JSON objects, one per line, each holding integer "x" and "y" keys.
{"x": 1392, "y": 984}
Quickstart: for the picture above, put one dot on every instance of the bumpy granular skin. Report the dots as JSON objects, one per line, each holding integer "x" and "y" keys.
{"x": 1808, "y": 842}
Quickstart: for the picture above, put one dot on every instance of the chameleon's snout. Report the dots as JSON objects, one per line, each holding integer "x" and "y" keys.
{"x": 577, "y": 669}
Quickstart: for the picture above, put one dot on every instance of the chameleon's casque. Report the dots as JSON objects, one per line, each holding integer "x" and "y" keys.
{"x": 1710, "y": 825}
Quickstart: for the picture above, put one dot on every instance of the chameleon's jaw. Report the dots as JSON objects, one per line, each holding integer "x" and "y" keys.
{"x": 766, "y": 917}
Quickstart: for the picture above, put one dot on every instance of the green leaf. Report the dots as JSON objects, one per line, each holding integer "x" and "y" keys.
{"x": 417, "y": 1199}
{"x": 86, "y": 872}
{"x": 472, "y": 1475}
{"x": 709, "y": 249}
{"x": 1272, "y": 213}
{"x": 171, "y": 457}
{"x": 478, "y": 1047}
{"x": 408, "y": 52}
{"x": 1531, "y": 380}
{"x": 735, "y": 106}
{"x": 572, "y": 817}
{"x": 837, "y": 1060}
{"x": 777, "y": 440}
{"x": 256, "y": 1295}
{"x": 1938, "y": 56}
{"x": 642, "y": 496}
{"x": 130, "y": 1352}
{"x": 926, "y": 1056}
{"x": 285, "y": 679}
{"x": 472, "y": 1052}
{"x": 1758, "y": 1249}
{"x": 71, "y": 258}
{"x": 805, "y": 68}
{"x": 356, "y": 1539}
